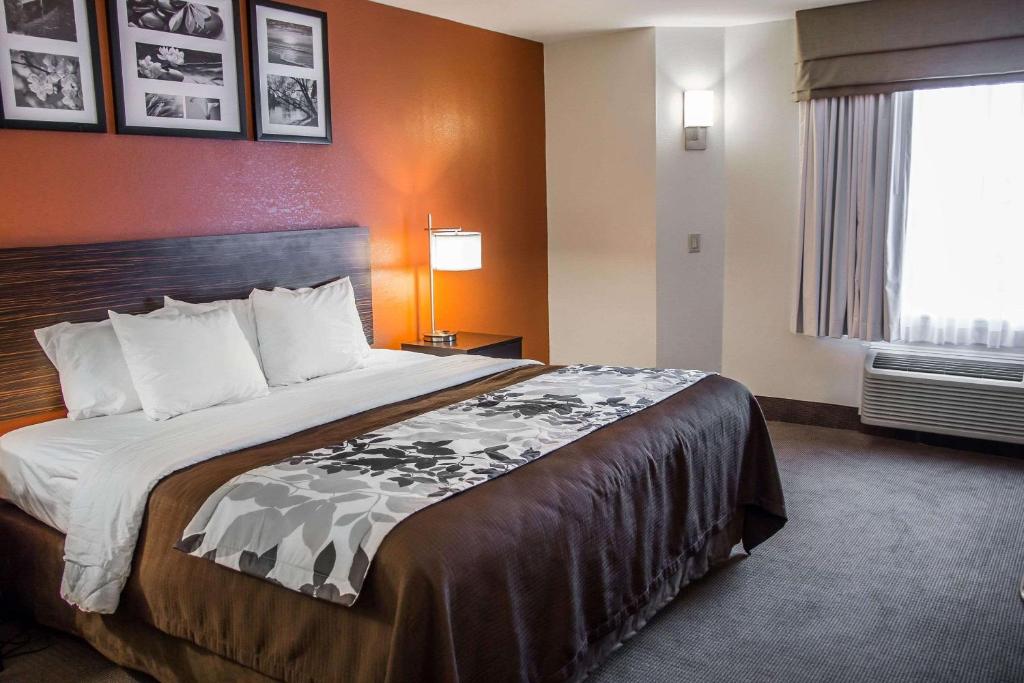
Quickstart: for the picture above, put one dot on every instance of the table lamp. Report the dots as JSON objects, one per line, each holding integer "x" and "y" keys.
{"x": 450, "y": 249}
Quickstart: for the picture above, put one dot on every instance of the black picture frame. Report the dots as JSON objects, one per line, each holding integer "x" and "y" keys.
{"x": 100, "y": 97}
{"x": 116, "y": 65}
{"x": 256, "y": 59}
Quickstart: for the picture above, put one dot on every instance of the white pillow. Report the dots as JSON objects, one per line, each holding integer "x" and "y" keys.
{"x": 342, "y": 283}
{"x": 93, "y": 376}
{"x": 183, "y": 363}
{"x": 308, "y": 333}
{"x": 242, "y": 308}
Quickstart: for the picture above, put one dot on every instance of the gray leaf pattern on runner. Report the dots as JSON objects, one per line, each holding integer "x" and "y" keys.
{"x": 314, "y": 521}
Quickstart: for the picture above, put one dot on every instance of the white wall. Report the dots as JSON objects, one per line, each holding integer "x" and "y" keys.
{"x": 623, "y": 195}
{"x": 599, "y": 105}
{"x": 690, "y": 199}
{"x": 761, "y": 156}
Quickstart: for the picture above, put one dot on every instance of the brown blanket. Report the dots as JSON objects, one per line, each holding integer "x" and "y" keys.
{"x": 532, "y": 576}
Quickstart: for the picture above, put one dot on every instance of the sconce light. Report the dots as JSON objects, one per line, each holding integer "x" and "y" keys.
{"x": 698, "y": 116}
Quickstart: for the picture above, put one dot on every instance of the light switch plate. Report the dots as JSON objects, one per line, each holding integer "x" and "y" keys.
{"x": 693, "y": 243}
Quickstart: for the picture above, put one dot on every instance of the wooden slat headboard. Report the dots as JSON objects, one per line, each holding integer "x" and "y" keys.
{"x": 41, "y": 286}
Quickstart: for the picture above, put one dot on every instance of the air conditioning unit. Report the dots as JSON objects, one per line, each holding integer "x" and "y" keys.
{"x": 981, "y": 397}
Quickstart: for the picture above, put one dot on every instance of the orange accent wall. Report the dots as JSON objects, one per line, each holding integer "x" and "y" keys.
{"x": 428, "y": 114}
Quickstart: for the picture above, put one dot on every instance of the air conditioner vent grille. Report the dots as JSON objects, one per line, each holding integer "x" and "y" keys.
{"x": 957, "y": 367}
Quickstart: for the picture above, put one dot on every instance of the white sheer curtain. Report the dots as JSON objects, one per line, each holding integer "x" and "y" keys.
{"x": 963, "y": 257}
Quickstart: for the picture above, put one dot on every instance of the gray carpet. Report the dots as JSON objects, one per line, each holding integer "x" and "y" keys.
{"x": 899, "y": 563}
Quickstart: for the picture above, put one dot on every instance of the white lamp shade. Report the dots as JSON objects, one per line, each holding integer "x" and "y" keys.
{"x": 698, "y": 108}
{"x": 457, "y": 251}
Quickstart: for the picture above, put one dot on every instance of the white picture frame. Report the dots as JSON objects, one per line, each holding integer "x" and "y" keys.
{"x": 49, "y": 66}
{"x": 178, "y": 68}
{"x": 290, "y": 73}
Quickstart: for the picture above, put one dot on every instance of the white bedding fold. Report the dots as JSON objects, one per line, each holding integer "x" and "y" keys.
{"x": 106, "y": 511}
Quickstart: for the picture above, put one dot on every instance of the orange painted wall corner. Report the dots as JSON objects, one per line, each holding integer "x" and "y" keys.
{"x": 428, "y": 114}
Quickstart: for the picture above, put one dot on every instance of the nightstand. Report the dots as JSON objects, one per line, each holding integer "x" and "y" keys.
{"x": 473, "y": 343}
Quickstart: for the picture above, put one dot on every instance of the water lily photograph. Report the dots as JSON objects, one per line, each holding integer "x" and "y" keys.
{"x": 166, "y": 63}
{"x": 176, "y": 16}
{"x": 46, "y": 81}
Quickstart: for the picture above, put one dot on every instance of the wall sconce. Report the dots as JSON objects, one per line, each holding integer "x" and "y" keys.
{"x": 698, "y": 116}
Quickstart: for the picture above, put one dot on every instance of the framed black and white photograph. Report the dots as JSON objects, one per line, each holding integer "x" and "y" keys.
{"x": 178, "y": 67}
{"x": 290, "y": 75}
{"x": 49, "y": 66}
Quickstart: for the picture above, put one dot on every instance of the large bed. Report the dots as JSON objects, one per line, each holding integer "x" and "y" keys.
{"x": 534, "y": 575}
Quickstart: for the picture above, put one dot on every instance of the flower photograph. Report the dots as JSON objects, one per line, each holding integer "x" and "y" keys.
{"x": 164, "y": 106}
{"x": 206, "y": 108}
{"x": 53, "y": 19}
{"x": 166, "y": 63}
{"x": 289, "y": 44}
{"x": 292, "y": 101}
{"x": 176, "y": 16}
{"x": 46, "y": 81}
{"x": 182, "y": 60}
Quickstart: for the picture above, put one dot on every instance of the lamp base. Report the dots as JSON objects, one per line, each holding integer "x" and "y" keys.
{"x": 695, "y": 137}
{"x": 440, "y": 337}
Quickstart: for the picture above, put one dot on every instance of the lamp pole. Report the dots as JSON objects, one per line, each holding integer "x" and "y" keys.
{"x": 430, "y": 247}
{"x": 435, "y": 335}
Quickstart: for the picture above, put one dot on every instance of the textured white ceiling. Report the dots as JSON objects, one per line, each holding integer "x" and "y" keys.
{"x": 548, "y": 20}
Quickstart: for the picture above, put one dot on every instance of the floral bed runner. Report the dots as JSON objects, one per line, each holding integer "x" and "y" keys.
{"x": 313, "y": 522}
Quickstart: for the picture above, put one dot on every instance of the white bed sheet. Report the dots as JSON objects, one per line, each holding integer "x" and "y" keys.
{"x": 92, "y": 479}
{"x": 40, "y": 465}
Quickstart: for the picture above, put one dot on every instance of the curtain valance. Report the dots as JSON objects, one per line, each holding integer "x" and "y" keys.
{"x": 884, "y": 46}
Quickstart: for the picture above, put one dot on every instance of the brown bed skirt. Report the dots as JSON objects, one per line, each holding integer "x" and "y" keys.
{"x": 534, "y": 576}
{"x": 136, "y": 645}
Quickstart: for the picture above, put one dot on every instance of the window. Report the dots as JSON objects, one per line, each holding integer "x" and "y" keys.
{"x": 963, "y": 260}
